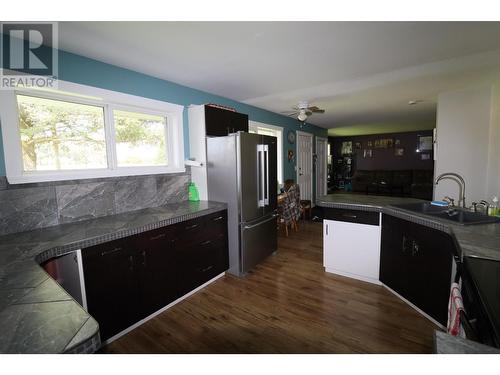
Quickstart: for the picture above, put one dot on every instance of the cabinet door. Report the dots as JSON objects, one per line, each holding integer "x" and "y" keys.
{"x": 111, "y": 285}
{"x": 237, "y": 122}
{"x": 394, "y": 255}
{"x": 431, "y": 268}
{"x": 156, "y": 270}
{"x": 352, "y": 249}
{"x": 220, "y": 122}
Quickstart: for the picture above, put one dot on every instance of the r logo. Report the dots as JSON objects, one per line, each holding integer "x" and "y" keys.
{"x": 28, "y": 48}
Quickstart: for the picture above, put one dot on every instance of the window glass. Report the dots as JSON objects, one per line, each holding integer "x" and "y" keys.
{"x": 140, "y": 139}
{"x": 59, "y": 135}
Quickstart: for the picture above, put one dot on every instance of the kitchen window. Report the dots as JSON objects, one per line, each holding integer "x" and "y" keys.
{"x": 83, "y": 132}
{"x": 274, "y": 131}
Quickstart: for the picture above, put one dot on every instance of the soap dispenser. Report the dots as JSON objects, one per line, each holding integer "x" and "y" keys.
{"x": 193, "y": 194}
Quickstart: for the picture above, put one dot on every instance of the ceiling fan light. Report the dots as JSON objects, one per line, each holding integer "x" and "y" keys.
{"x": 302, "y": 115}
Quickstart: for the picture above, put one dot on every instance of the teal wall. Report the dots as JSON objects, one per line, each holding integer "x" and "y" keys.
{"x": 79, "y": 69}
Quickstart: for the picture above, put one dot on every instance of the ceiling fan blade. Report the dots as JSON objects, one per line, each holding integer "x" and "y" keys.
{"x": 317, "y": 110}
{"x": 290, "y": 113}
{"x": 313, "y": 108}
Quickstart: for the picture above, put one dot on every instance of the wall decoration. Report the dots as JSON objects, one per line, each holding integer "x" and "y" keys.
{"x": 291, "y": 155}
{"x": 367, "y": 153}
{"x": 357, "y": 145}
{"x": 399, "y": 151}
{"x": 346, "y": 148}
{"x": 384, "y": 143}
{"x": 424, "y": 143}
{"x": 425, "y": 156}
{"x": 291, "y": 137}
{"x": 370, "y": 144}
{"x": 397, "y": 142}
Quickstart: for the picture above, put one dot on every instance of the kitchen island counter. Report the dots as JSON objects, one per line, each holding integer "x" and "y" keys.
{"x": 480, "y": 240}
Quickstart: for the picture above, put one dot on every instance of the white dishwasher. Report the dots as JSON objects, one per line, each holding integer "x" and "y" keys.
{"x": 351, "y": 243}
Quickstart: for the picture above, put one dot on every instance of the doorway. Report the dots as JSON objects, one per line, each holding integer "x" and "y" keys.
{"x": 321, "y": 166}
{"x": 305, "y": 165}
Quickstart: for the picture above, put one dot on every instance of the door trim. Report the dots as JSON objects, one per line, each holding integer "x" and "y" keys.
{"x": 309, "y": 135}
{"x": 326, "y": 164}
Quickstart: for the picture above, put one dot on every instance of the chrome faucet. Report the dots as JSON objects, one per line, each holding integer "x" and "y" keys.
{"x": 461, "y": 185}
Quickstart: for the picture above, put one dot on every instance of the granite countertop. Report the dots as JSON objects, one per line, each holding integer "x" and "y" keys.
{"x": 480, "y": 240}
{"x": 36, "y": 314}
{"x": 447, "y": 344}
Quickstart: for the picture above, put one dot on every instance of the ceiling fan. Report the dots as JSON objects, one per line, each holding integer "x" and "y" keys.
{"x": 302, "y": 110}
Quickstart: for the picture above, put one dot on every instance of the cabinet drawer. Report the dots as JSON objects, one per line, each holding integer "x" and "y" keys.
{"x": 110, "y": 250}
{"x": 351, "y": 216}
{"x": 201, "y": 262}
{"x": 216, "y": 225}
{"x": 190, "y": 232}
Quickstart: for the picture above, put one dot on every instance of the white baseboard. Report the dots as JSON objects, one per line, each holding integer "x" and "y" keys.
{"x": 353, "y": 276}
{"x": 140, "y": 322}
{"x": 414, "y": 307}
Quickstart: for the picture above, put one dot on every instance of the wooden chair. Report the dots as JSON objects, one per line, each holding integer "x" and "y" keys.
{"x": 287, "y": 212}
{"x": 306, "y": 207}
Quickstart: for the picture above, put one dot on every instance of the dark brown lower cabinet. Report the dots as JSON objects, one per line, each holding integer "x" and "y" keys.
{"x": 128, "y": 279}
{"x": 416, "y": 262}
{"x": 111, "y": 285}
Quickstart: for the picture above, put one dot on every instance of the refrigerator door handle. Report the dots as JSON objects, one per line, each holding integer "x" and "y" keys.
{"x": 266, "y": 191}
{"x": 274, "y": 216}
{"x": 260, "y": 176}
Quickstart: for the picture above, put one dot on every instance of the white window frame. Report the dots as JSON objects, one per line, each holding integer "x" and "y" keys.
{"x": 253, "y": 125}
{"x": 109, "y": 100}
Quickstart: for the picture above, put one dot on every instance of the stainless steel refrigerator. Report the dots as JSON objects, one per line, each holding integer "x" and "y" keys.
{"x": 242, "y": 171}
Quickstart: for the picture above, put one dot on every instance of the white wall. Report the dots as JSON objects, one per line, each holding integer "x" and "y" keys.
{"x": 463, "y": 132}
{"x": 493, "y": 182}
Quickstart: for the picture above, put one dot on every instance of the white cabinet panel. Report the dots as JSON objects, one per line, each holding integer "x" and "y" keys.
{"x": 352, "y": 249}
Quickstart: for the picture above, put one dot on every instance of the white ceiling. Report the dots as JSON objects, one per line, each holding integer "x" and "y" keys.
{"x": 362, "y": 73}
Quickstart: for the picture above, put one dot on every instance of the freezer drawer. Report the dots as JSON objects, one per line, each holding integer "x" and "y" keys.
{"x": 258, "y": 240}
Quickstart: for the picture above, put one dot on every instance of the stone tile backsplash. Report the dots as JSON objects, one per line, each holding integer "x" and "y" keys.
{"x": 31, "y": 206}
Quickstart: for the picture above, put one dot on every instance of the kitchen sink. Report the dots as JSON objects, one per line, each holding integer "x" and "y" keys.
{"x": 421, "y": 207}
{"x": 454, "y": 214}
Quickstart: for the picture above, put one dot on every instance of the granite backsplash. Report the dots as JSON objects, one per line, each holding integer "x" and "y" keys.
{"x": 25, "y": 207}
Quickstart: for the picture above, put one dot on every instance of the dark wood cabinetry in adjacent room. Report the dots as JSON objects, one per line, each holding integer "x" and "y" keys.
{"x": 416, "y": 262}
{"x": 128, "y": 279}
{"x": 221, "y": 122}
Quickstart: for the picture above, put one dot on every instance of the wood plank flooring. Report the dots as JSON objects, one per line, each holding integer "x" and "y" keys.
{"x": 287, "y": 304}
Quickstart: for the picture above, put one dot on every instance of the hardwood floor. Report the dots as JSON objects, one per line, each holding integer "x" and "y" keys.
{"x": 287, "y": 304}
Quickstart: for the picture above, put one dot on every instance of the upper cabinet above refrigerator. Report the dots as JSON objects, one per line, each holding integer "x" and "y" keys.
{"x": 207, "y": 121}
{"x": 221, "y": 122}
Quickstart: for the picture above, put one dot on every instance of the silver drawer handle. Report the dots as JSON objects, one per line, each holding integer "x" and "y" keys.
{"x": 191, "y": 226}
{"x": 218, "y": 218}
{"x": 206, "y": 242}
{"x": 115, "y": 250}
{"x": 351, "y": 216}
{"x": 157, "y": 237}
{"x": 207, "y": 268}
